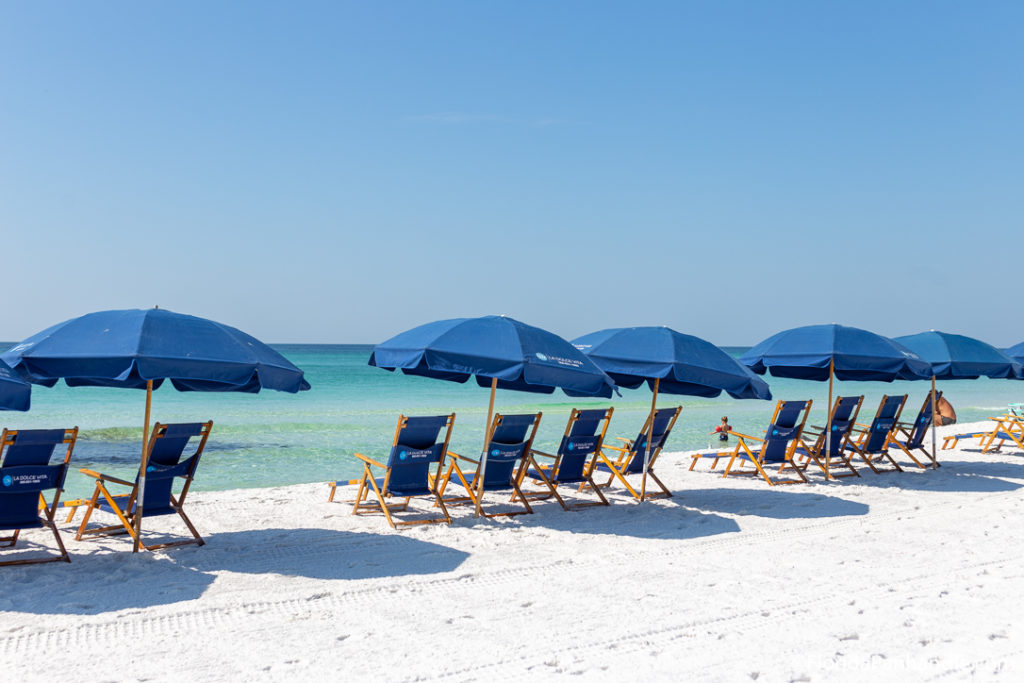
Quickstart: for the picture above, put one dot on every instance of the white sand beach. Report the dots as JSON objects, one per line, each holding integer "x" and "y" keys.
{"x": 913, "y": 576}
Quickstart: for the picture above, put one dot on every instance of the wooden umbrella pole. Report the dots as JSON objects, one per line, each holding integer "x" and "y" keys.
{"x": 487, "y": 443}
{"x": 142, "y": 469}
{"x": 935, "y": 409}
{"x": 828, "y": 408}
{"x": 650, "y": 438}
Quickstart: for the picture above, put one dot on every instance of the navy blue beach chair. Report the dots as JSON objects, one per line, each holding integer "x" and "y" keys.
{"x": 842, "y": 421}
{"x": 420, "y": 444}
{"x": 630, "y": 458}
{"x": 778, "y": 446}
{"x": 25, "y": 473}
{"x": 909, "y": 437}
{"x": 574, "y": 461}
{"x": 167, "y": 463}
{"x": 873, "y": 441}
{"x": 508, "y": 447}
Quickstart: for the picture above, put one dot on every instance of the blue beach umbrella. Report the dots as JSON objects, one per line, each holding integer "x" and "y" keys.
{"x": 1016, "y": 352}
{"x": 139, "y": 349}
{"x": 669, "y": 362}
{"x": 15, "y": 393}
{"x": 954, "y": 356}
{"x": 826, "y": 352}
{"x": 499, "y": 352}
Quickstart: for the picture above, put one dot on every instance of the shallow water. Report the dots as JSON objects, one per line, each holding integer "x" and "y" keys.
{"x": 272, "y": 439}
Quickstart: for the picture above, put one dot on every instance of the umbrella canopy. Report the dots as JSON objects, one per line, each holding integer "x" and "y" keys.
{"x": 139, "y": 349}
{"x": 670, "y": 362}
{"x": 825, "y": 352}
{"x": 682, "y": 363}
{"x": 130, "y": 348}
{"x": 497, "y": 349}
{"x": 1016, "y": 352}
{"x": 15, "y": 392}
{"x": 954, "y": 356}
{"x": 856, "y": 354}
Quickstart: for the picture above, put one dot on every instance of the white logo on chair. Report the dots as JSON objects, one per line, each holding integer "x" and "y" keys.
{"x": 541, "y": 356}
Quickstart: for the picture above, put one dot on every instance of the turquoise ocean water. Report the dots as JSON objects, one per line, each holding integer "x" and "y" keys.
{"x": 273, "y": 439}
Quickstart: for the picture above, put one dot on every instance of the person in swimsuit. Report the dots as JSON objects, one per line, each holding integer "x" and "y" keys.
{"x": 723, "y": 430}
{"x": 944, "y": 414}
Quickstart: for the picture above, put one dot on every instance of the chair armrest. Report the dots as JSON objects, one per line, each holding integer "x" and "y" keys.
{"x": 745, "y": 436}
{"x": 543, "y": 454}
{"x": 628, "y": 442}
{"x": 620, "y": 449}
{"x": 105, "y": 477}
{"x": 453, "y": 454}
{"x": 367, "y": 459}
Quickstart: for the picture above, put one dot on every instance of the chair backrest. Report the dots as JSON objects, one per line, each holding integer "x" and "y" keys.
{"x": 886, "y": 417}
{"x": 784, "y": 430}
{"x": 664, "y": 420}
{"x": 167, "y": 445}
{"x": 844, "y": 415}
{"x": 923, "y": 421}
{"x": 583, "y": 438}
{"x": 25, "y": 472}
{"x": 419, "y": 443}
{"x": 511, "y": 439}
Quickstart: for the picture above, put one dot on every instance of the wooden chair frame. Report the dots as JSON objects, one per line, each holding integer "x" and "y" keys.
{"x": 816, "y": 451}
{"x": 368, "y": 482}
{"x": 907, "y": 429}
{"x": 49, "y": 510}
{"x": 475, "y": 497}
{"x": 124, "y": 514}
{"x": 617, "y": 467}
{"x": 1008, "y": 427}
{"x": 745, "y": 454}
{"x": 549, "y": 472}
{"x": 863, "y": 432}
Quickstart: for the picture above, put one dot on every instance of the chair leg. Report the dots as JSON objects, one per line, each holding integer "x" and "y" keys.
{"x": 60, "y": 542}
{"x": 88, "y": 512}
{"x": 444, "y": 508}
{"x": 360, "y": 494}
{"x": 383, "y": 503}
{"x": 652, "y": 475}
{"x": 188, "y": 523}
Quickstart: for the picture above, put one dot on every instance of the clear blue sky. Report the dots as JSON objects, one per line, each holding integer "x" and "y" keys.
{"x": 341, "y": 171}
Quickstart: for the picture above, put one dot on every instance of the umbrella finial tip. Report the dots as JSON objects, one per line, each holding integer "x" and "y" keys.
{"x": 156, "y": 306}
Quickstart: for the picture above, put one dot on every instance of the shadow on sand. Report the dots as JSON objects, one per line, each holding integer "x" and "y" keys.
{"x": 772, "y": 503}
{"x": 954, "y": 475}
{"x": 663, "y": 518}
{"x": 108, "y": 581}
{"x": 101, "y": 582}
{"x": 321, "y": 554}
